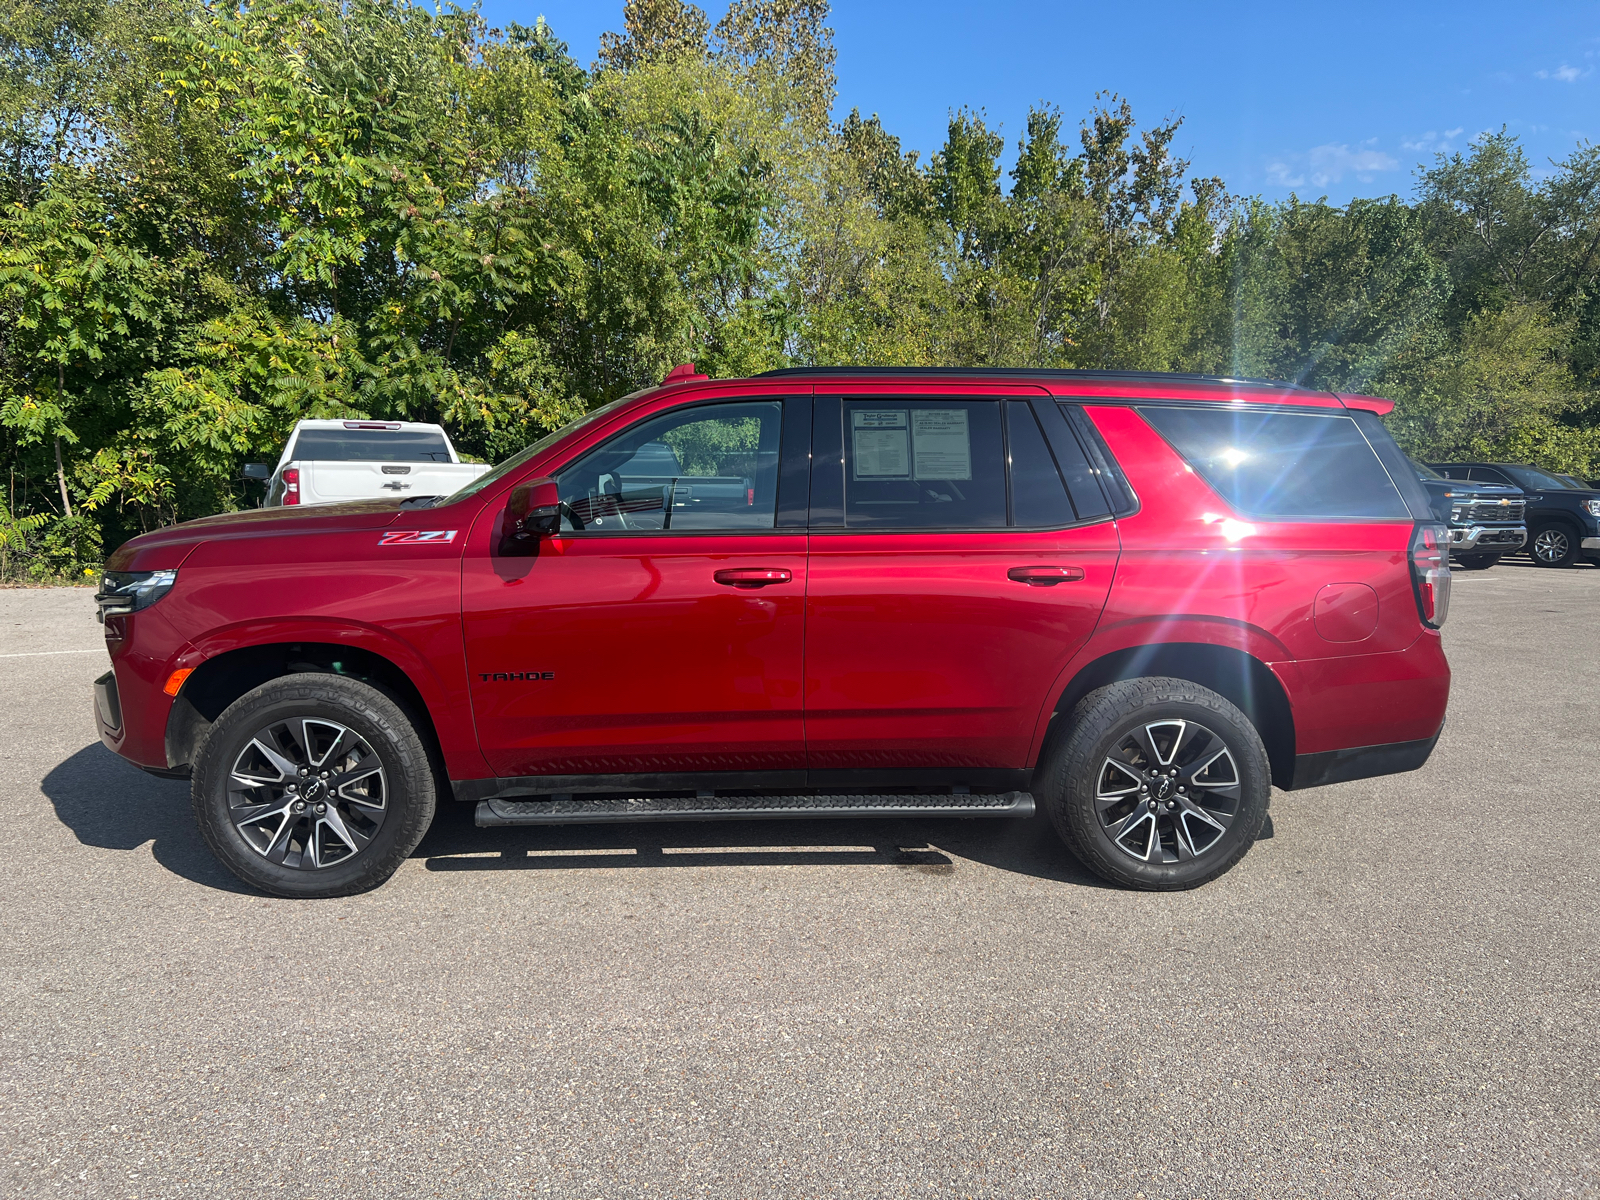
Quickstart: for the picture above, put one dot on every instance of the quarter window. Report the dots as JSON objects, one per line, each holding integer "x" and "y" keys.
{"x": 712, "y": 466}
{"x": 1280, "y": 464}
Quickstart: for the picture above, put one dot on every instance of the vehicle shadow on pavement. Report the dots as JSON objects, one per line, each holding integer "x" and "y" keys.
{"x": 109, "y": 803}
{"x": 927, "y": 847}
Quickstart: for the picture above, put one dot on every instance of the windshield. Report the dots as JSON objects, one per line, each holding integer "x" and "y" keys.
{"x": 1532, "y": 477}
{"x": 522, "y": 456}
{"x": 1424, "y": 471}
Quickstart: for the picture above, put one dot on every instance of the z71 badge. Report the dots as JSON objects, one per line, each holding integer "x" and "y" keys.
{"x": 411, "y": 537}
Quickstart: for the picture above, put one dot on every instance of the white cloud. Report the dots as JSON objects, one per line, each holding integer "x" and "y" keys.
{"x": 1282, "y": 174}
{"x": 1434, "y": 142}
{"x": 1564, "y": 74}
{"x": 1330, "y": 163}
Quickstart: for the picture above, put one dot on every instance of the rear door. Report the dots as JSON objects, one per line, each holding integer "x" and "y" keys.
{"x": 951, "y": 580}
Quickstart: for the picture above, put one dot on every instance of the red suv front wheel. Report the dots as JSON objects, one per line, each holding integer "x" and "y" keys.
{"x": 313, "y": 785}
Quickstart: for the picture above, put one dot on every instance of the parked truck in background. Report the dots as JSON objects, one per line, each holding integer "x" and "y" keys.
{"x": 1485, "y": 519}
{"x": 1563, "y": 517}
{"x": 328, "y": 462}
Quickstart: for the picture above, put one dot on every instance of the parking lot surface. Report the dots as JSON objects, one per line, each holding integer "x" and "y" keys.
{"x": 1394, "y": 993}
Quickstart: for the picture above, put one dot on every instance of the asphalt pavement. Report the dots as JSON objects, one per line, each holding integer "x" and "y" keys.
{"x": 1394, "y": 994}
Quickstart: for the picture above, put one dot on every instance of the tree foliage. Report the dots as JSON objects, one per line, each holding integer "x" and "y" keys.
{"x": 216, "y": 219}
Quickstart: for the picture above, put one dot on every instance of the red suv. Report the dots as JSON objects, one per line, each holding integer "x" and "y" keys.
{"x": 1139, "y": 599}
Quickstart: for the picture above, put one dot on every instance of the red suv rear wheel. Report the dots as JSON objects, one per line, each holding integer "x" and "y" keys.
{"x": 1157, "y": 783}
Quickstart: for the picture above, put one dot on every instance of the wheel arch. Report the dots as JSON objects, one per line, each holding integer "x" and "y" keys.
{"x": 220, "y": 680}
{"x": 1240, "y": 678}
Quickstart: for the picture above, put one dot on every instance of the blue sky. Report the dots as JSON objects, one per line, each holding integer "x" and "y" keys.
{"x": 1337, "y": 100}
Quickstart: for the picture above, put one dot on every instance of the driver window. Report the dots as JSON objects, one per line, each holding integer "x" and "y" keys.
{"x": 713, "y": 466}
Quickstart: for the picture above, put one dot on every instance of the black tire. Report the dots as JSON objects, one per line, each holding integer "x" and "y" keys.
{"x": 1070, "y": 783}
{"x": 368, "y": 824}
{"x": 1478, "y": 562}
{"x": 1553, "y": 545}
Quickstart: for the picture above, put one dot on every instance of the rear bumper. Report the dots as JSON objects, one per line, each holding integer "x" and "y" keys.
{"x": 1360, "y": 762}
{"x": 1347, "y": 703}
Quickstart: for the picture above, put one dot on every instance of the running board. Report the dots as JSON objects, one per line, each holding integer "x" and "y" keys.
{"x": 749, "y": 808}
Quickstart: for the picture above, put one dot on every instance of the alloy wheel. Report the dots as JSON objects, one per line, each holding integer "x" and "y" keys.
{"x": 307, "y": 793}
{"x": 1550, "y": 546}
{"x": 1168, "y": 792}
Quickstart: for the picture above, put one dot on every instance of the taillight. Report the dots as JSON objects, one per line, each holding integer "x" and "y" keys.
{"x": 1430, "y": 573}
{"x": 291, "y": 485}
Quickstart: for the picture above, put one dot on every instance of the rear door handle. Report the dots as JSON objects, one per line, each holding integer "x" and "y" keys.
{"x": 752, "y": 577}
{"x": 1044, "y": 576}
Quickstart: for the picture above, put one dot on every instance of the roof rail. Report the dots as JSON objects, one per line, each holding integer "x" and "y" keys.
{"x": 1033, "y": 373}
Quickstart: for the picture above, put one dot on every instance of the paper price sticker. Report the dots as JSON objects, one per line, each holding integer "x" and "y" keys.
{"x": 941, "y": 443}
{"x": 879, "y": 443}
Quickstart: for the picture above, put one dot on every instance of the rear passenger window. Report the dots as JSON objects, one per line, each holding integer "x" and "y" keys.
{"x": 923, "y": 464}
{"x": 1038, "y": 497}
{"x": 1277, "y": 464}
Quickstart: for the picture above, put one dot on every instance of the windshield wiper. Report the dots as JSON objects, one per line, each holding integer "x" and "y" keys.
{"x": 420, "y": 501}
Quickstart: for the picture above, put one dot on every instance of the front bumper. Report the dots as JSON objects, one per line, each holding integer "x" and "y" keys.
{"x": 108, "y": 710}
{"x": 1489, "y": 539}
{"x": 1590, "y": 543}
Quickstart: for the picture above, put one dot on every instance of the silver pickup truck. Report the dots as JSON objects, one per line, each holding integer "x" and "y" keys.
{"x": 326, "y": 462}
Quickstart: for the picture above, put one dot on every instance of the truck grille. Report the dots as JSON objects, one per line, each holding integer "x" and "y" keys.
{"x": 1498, "y": 511}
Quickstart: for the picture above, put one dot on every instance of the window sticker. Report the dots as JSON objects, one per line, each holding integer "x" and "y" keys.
{"x": 941, "y": 443}
{"x": 880, "y": 445}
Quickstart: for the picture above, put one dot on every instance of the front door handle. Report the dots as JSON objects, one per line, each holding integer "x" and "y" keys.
{"x": 1044, "y": 576}
{"x": 752, "y": 577}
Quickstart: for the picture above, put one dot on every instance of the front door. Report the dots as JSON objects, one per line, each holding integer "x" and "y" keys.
{"x": 954, "y": 585}
{"x": 659, "y": 633}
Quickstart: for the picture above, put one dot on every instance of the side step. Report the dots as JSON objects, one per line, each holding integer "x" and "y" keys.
{"x": 749, "y": 808}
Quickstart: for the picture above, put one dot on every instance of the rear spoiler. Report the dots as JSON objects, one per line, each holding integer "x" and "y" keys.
{"x": 1370, "y": 404}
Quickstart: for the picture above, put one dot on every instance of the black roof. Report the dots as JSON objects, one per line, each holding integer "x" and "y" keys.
{"x": 1063, "y": 373}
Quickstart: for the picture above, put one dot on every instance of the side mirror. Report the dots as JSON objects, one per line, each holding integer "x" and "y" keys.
{"x": 257, "y": 471}
{"x": 533, "y": 511}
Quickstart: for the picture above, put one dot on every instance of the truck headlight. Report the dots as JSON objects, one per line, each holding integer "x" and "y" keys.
{"x": 129, "y": 591}
{"x": 1593, "y": 506}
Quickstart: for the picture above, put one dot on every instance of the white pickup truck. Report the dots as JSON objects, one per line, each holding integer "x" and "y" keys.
{"x": 327, "y": 462}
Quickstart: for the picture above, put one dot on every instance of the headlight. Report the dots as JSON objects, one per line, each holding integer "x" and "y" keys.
{"x": 129, "y": 591}
{"x": 1593, "y": 506}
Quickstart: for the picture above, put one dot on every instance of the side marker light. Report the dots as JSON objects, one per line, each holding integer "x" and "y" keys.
{"x": 175, "y": 680}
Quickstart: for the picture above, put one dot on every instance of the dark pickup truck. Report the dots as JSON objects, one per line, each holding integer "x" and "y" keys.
{"x": 1485, "y": 519}
{"x": 1563, "y": 518}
